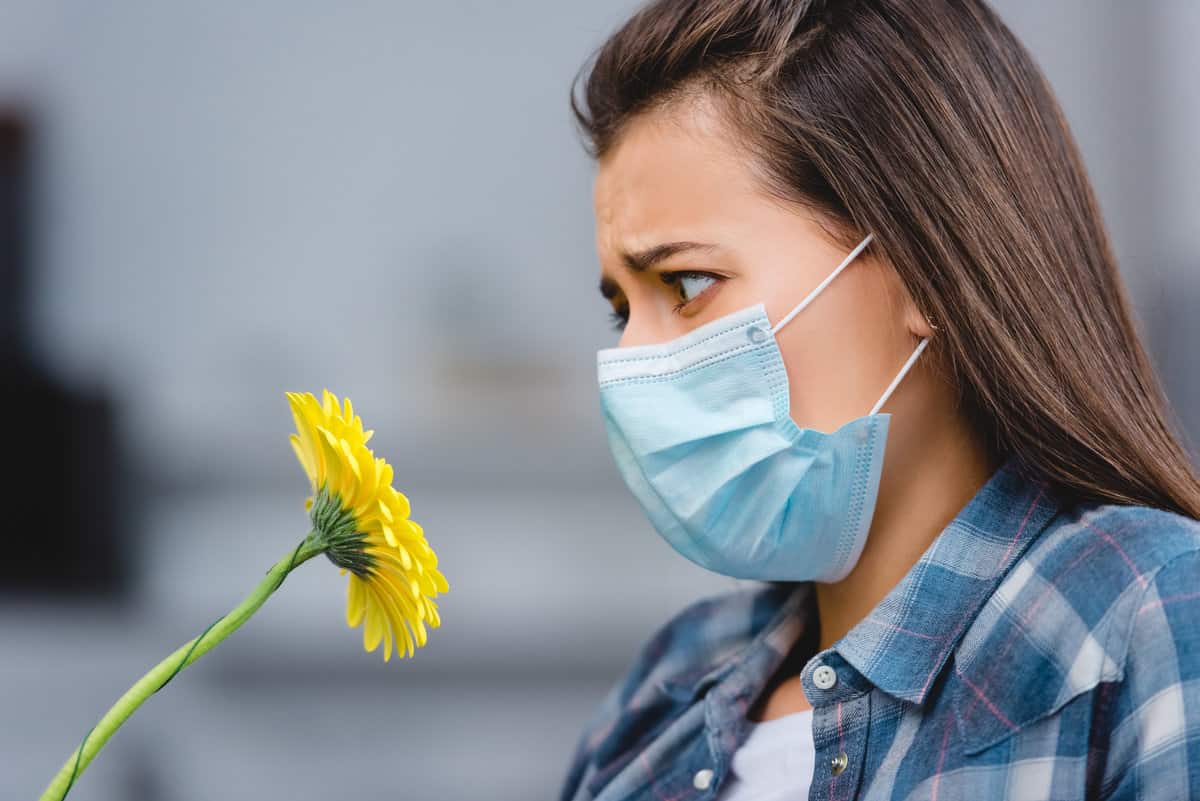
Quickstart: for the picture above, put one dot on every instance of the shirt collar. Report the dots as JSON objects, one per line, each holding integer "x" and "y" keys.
{"x": 901, "y": 645}
{"x": 782, "y": 613}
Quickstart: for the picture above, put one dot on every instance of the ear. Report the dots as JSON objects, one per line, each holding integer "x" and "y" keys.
{"x": 919, "y": 324}
{"x": 916, "y": 321}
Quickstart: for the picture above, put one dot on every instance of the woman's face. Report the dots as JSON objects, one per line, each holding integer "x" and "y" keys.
{"x": 685, "y": 235}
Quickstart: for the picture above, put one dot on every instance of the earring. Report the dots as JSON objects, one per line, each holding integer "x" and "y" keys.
{"x": 929, "y": 320}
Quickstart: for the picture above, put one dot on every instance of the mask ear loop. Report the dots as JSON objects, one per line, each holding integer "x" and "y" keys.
{"x": 813, "y": 295}
{"x": 887, "y": 393}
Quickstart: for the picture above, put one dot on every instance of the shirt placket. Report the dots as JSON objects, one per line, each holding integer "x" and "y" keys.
{"x": 841, "y": 700}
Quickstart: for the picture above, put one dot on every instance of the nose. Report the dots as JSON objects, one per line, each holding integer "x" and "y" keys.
{"x": 642, "y": 329}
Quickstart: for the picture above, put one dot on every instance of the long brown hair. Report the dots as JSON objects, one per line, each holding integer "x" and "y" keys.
{"x": 927, "y": 123}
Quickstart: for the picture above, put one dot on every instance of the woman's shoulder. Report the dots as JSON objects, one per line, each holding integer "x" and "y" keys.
{"x": 1121, "y": 546}
{"x": 1087, "y": 571}
{"x": 1134, "y": 592}
{"x": 1092, "y": 567}
{"x": 1104, "y": 592}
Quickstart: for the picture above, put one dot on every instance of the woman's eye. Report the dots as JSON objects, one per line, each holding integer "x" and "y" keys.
{"x": 689, "y": 284}
{"x": 692, "y": 284}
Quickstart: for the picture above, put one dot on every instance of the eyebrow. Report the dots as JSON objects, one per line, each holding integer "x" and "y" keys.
{"x": 642, "y": 260}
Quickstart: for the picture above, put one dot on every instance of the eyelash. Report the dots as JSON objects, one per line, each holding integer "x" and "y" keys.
{"x": 620, "y": 317}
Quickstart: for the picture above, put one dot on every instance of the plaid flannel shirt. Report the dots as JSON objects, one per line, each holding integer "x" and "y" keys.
{"x": 1035, "y": 651}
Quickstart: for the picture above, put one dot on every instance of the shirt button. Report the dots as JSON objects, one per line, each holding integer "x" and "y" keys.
{"x": 702, "y": 779}
{"x": 838, "y": 763}
{"x": 824, "y": 677}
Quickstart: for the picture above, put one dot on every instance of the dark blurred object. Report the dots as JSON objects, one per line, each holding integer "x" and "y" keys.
{"x": 60, "y": 468}
{"x": 14, "y": 227}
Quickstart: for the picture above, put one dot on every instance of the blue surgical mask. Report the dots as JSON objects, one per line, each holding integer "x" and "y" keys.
{"x": 700, "y": 430}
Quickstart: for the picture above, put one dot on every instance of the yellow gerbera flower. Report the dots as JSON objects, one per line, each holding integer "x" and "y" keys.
{"x": 359, "y": 521}
{"x": 364, "y": 522}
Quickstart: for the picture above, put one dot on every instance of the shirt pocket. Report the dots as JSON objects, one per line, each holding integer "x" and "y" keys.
{"x": 1026, "y": 665}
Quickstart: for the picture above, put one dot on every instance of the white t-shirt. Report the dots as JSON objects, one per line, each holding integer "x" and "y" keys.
{"x": 774, "y": 763}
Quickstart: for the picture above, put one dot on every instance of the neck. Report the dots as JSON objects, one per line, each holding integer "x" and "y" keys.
{"x": 918, "y": 497}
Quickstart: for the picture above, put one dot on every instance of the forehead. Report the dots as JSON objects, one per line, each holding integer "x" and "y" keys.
{"x": 674, "y": 174}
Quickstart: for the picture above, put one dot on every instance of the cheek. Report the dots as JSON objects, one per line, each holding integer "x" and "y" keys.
{"x": 843, "y": 350}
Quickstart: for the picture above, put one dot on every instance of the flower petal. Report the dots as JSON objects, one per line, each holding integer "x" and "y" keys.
{"x": 373, "y": 630}
{"x": 356, "y": 602}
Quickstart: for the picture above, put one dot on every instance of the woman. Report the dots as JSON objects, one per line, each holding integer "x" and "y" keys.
{"x": 827, "y": 227}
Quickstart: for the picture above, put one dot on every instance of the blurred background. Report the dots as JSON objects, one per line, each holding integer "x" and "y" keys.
{"x": 203, "y": 206}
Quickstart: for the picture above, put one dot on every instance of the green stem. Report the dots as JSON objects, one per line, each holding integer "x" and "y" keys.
{"x": 157, "y": 677}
